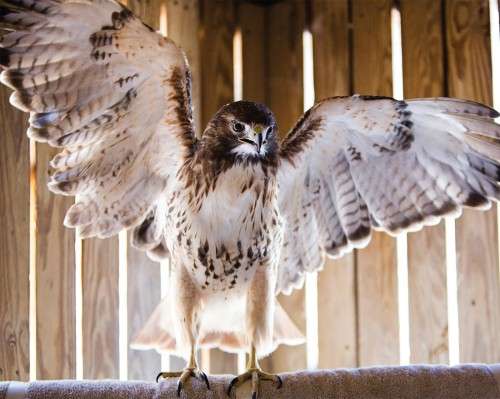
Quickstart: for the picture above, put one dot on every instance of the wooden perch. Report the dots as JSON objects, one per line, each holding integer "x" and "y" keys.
{"x": 412, "y": 382}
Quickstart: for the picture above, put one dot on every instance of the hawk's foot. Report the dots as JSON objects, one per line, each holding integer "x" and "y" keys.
{"x": 256, "y": 375}
{"x": 184, "y": 376}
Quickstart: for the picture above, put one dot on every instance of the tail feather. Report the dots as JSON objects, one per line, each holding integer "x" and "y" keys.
{"x": 158, "y": 333}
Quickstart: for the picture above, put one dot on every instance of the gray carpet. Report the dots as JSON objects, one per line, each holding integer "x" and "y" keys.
{"x": 413, "y": 382}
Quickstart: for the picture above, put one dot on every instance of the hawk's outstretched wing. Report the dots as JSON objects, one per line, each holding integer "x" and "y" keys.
{"x": 113, "y": 94}
{"x": 356, "y": 163}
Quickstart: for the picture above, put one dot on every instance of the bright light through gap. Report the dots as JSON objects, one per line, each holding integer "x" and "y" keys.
{"x": 32, "y": 264}
{"x": 495, "y": 51}
{"x": 452, "y": 290}
{"x": 311, "y": 278}
{"x": 238, "y": 66}
{"x": 495, "y": 64}
{"x": 164, "y": 281}
{"x": 78, "y": 307}
{"x": 122, "y": 305}
{"x": 164, "y": 265}
{"x": 238, "y": 96}
{"x": 402, "y": 240}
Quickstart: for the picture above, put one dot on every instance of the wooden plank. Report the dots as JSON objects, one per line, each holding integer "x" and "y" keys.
{"x": 336, "y": 283}
{"x": 147, "y": 10}
{"x": 469, "y": 76}
{"x": 423, "y": 63}
{"x": 143, "y": 275}
{"x": 286, "y": 22}
{"x": 143, "y": 294}
{"x": 100, "y": 273}
{"x": 100, "y": 308}
{"x": 55, "y": 278}
{"x": 378, "y": 334}
{"x": 14, "y": 242}
{"x": 252, "y": 22}
{"x": 216, "y": 49}
{"x": 183, "y": 22}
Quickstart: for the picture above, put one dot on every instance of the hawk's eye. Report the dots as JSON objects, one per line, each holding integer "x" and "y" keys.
{"x": 269, "y": 130}
{"x": 238, "y": 127}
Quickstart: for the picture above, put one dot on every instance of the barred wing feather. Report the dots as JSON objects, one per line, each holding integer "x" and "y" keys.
{"x": 114, "y": 95}
{"x": 353, "y": 164}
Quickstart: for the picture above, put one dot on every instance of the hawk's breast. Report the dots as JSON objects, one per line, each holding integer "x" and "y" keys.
{"x": 236, "y": 229}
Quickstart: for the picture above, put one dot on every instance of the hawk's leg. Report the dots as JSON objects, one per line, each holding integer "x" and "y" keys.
{"x": 191, "y": 370}
{"x": 185, "y": 311}
{"x": 255, "y": 374}
{"x": 259, "y": 328}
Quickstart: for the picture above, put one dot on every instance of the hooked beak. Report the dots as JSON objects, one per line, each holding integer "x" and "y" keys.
{"x": 259, "y": 139}
{"x": 257, "y": 142}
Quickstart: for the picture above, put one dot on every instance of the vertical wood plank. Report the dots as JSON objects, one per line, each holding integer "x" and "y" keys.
{"x": 216, "y": 49}
{"x": 469, "y": 76}
{"x": 143, "y": 294}
{"x": 336, "y": 283}
{"x": 183, "y": 22}
{"x": 423, "y": 71}
{"x": 286, "y": 21}
{"x": 252, "y": 20}
{"x": 14, "y": 242}
{"x": 143, "y": 275}
{"x": 378, "y": 334}
{"x": 183, "y": 19}
{"x": 55, "y": 278}
{"x": 100, "y": 308}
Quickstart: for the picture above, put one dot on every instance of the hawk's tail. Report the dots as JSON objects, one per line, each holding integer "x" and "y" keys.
{"x": 158, "y": 334}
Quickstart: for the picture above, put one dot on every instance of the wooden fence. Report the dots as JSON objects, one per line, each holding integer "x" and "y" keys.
{"x": 66, "y": 310}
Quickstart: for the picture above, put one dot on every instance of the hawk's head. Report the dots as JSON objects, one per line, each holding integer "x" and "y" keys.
{"x": 242, "y": 130}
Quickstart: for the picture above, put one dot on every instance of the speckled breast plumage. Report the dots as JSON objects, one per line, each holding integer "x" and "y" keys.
{"x": 231, "y": 231}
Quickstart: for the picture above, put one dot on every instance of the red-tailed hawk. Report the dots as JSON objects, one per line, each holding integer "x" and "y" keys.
{"x": 241, "y": 216}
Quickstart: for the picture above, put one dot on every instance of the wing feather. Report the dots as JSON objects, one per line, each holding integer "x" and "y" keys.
{"x": 113, "y": 95}
{"x": 376, "y": 163}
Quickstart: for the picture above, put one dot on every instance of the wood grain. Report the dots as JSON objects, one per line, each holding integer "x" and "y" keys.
{"x": 469, "y": 76}
{"x": 252, "y": 20}
{"x": 336, "y": 283}
{"x": 100, "y": 269}
{"x": 183, "y": 22}
{"x": 286, "y": 21}
{"x": 216, "y": 49}
{"x": 14, "y": 242}
{"x": 378, "y": 334}
{"x": 100, "y": 308}
{"x": 330, "y": 27}
{"x": 55, "y": 278}
{"x": 143, "y": 294}
{"x": 217, "y": 25}
{"x": 143, "y": 275}
{"x": 423, "y": 71}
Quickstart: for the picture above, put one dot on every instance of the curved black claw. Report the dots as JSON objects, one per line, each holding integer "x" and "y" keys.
{"x": 205, "y": 378}
{"x": 231, "y": 385}
{"x": 184, "y": 376}
{"x": 280, "y": 381}
{"x": 179, "y": 388}
{"x": 255, "y": 375}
